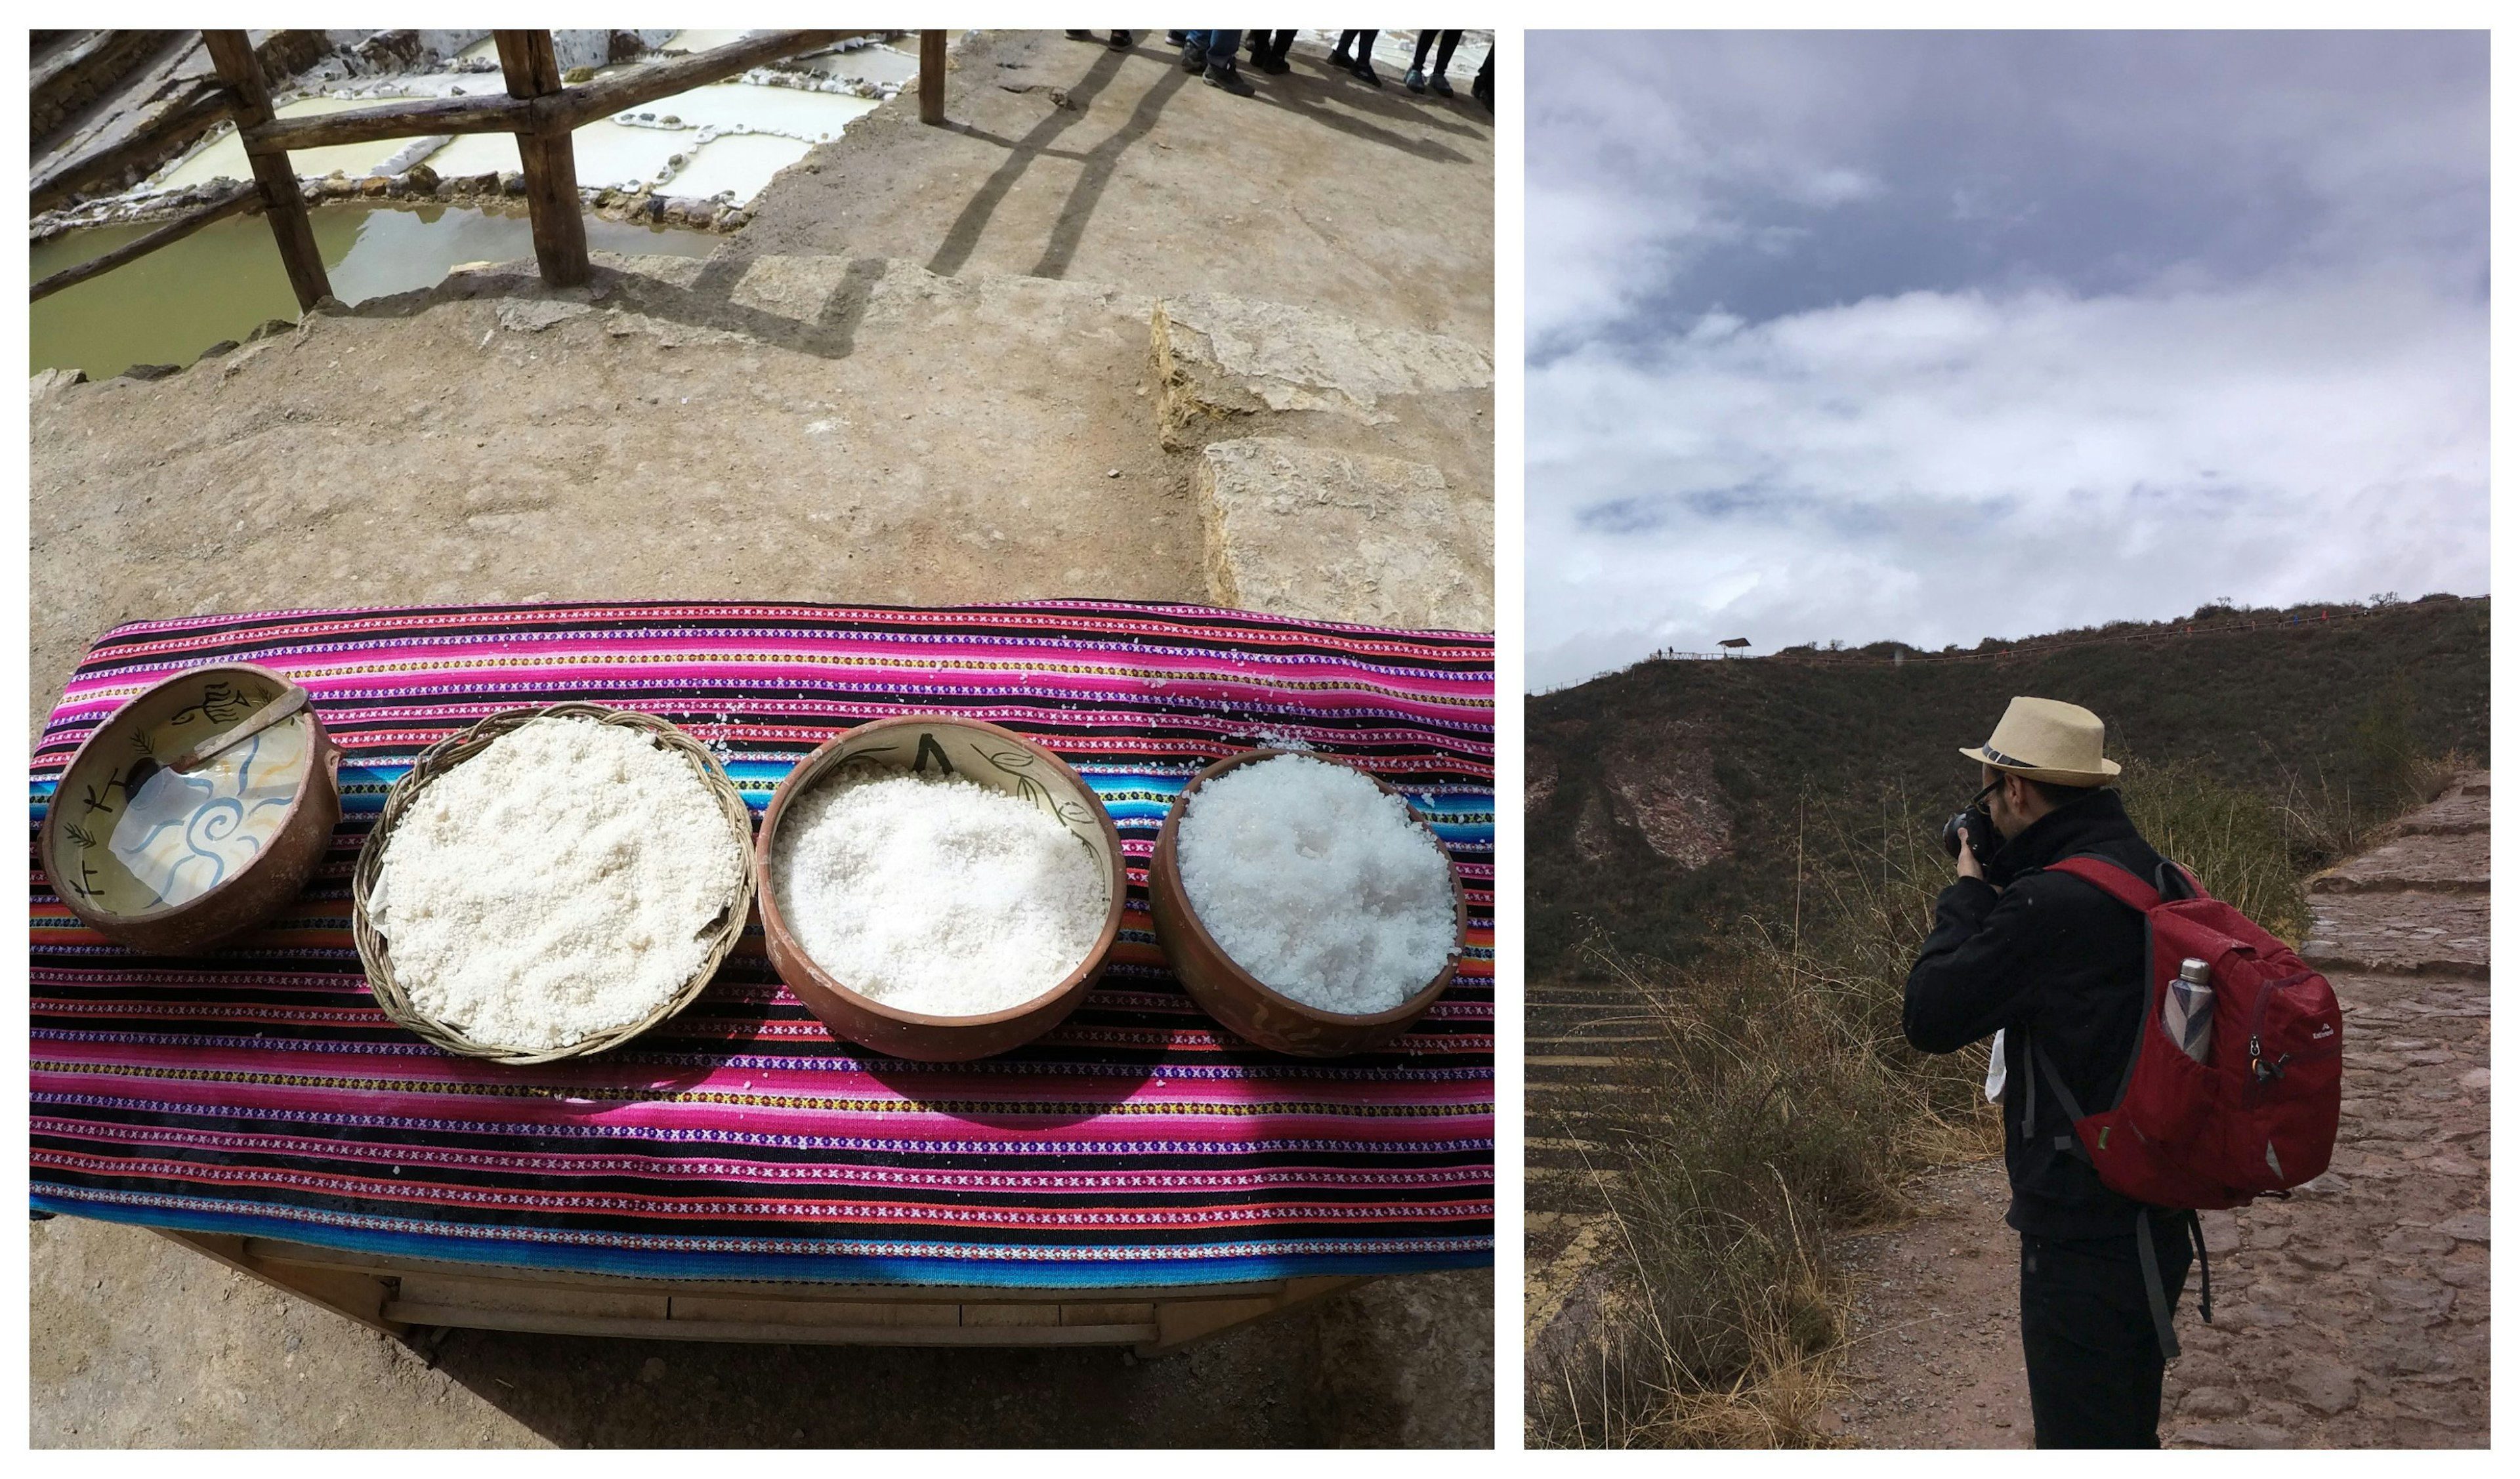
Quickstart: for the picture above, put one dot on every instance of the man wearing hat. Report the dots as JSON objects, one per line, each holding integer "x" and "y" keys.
{"x": 2046, "y": 958}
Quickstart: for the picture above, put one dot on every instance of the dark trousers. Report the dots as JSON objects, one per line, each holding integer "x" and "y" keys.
{"x": 2088, "y": 1337}
{"x": 1443, "y": 51}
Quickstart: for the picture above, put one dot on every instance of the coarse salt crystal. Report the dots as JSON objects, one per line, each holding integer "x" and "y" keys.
{"x": 936, "y": 896}
{"x": 556, "y": 884}
{"x": 1318, "y": 882}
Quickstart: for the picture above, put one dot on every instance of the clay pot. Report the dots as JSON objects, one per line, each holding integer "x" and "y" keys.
{"x": 74, "y": 845}
{"x": 990, "y": 756}
{"x": 1236, "y": 998}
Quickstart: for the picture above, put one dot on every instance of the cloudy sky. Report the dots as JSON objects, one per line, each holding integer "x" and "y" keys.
{"x": 1933, "y": 337}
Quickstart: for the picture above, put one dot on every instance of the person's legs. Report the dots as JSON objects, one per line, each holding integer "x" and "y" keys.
{"x": 1339, "y": 54}
{"x": 1362, "y": 64}
{"x": 1221, "y": 70}
{"x": 1416, "y": 81}
{"x": 1443, "y": 50}
{"x": 2088, "y": 1339}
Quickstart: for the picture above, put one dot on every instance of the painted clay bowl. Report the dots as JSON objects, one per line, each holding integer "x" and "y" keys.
{"x": 168, "y": 864}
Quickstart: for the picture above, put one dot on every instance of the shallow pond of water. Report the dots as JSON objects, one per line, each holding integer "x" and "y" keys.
{"x": 220, "y": 282}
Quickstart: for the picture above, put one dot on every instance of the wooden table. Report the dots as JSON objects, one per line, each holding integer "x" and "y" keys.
{"x": 394, "y": 1296}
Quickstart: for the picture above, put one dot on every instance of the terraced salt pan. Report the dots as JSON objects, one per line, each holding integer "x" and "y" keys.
{"x": 224, "y": 156}
{"x": 774, "y": 110}
{"x": 762, "y": 131}
{"x": 608, "y": 153}
{"x": 740, "y": 162}
{"x": 622, "y": 155}
{"x": 874, "y": 63}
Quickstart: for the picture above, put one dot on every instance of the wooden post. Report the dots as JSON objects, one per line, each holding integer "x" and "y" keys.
{"x": 232, "y": 55}
{"x": 550, "y": 159}
{"x": 931, "y": 76}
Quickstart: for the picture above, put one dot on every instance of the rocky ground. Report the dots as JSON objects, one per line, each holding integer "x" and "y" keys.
{"x": 2354, "y": 1315}
{"x": 931, "y": 371}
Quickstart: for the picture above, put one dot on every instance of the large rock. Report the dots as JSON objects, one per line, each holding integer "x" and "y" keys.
{"x": 1343, "y": 536}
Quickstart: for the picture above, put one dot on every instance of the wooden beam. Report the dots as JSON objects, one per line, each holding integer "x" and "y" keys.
{"x": 396, "y": 120}
{"x": 550, "y": 159}
{"x": 1189, "y": 1322}
{"x": 584, "y": 103}
{"x": 352, "y": 1296}
{"x": 177, "y": 124}
{"x": 232, "y": 53}
{"x": 243, "y": 198}
{"x": 931, "y": 76}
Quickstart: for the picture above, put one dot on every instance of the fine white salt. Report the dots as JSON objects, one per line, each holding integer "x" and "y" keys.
{"x": 554, "y": 884}
{"x": 938, "y": 896}
{"x": 1318, "y": 882}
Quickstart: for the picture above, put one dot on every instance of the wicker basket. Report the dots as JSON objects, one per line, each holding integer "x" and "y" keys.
{"x": 454, "y": 751}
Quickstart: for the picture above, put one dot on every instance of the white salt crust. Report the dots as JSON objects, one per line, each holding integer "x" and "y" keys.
{"x": 936, "y": 895}
{"x": 556, "y": 884}
{"x": 1318, "y": 882}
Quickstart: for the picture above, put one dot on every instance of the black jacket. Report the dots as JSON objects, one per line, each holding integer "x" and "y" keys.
{"x": 2053, "y": 960}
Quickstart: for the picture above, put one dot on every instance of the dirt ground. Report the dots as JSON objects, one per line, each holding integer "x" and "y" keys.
{"x": 1069, "y": 161}
{"x": 2354, "y": 1315}
{"x": 918, "y": 377}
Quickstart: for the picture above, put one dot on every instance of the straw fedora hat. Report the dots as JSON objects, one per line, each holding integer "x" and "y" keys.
{"x": 2042, "y": 740}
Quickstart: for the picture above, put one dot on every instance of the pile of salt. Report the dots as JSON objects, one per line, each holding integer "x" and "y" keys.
{"x": 556, "y": 884}
{"x": 1318, "y": 882}
{"x": 936, "y": 896}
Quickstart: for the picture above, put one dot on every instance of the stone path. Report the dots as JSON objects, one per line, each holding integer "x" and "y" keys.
{"x": 2352, "y": 1316}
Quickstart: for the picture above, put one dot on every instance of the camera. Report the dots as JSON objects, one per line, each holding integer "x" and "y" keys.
{"x": 1983, "y": 839}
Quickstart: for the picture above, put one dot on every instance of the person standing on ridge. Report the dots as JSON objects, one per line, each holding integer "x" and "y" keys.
{"x": 2060, "y": 970}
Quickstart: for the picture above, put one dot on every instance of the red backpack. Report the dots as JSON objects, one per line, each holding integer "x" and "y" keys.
{"x": 2258, "y": 1117}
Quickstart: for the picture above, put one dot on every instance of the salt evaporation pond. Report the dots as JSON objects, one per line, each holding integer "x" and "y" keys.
{"x": 225, "y": 155}
{"x": 757, "y": 131}
{"x": 220, "y": 282}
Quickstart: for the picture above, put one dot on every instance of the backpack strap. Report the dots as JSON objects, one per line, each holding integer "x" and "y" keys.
{"x": 2192, "y": 1230}
{"x": 2115, "y": 880}
{"x": 2068, "y": 1142}
{"x": 2153, "y": 1293}
{"x": 2171, "y": 880}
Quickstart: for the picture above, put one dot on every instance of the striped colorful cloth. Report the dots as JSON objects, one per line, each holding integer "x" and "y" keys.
{"x": 257, "y": 1089}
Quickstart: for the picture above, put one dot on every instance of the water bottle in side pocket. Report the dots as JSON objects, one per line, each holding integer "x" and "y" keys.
{"x": 2187, "y": 1009}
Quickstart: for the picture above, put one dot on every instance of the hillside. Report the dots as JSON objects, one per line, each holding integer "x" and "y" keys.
{"x": 1663, "y": 799}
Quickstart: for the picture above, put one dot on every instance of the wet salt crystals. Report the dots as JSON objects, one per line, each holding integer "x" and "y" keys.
{"x": 556, "y": 884}
{"x": 1318, "y": 882}
{"x": 936, "y": 896}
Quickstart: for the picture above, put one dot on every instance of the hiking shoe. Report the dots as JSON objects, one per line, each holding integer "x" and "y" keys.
{"x": 1227, "y": 75}
{"x": 1363, "y": 70}
{"x": 1177, "y": 37}
{"x": 1271, "y": 64}
{"x": 1084, "y": 35}
{"x": 1416, "y": 81}
{"x": 1440, "y": 87}
{"x": 1123, "y": 40}
{"x": 1339, "y": 57}
{"x": 1193, "y": 59}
